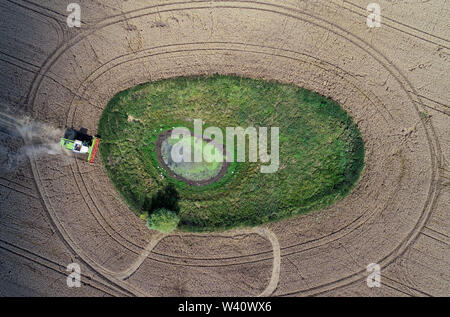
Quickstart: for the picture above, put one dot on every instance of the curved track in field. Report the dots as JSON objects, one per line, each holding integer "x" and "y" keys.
{"x": 383, "y": 220}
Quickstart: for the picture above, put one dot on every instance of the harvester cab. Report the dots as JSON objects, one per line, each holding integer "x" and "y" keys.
{"x": 80, "y": 142}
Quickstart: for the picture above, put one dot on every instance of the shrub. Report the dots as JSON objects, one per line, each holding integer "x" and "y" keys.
{"x": 163, "y": 220}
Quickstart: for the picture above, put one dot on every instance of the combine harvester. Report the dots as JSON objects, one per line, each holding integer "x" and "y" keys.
{"x": 80, "y": 142}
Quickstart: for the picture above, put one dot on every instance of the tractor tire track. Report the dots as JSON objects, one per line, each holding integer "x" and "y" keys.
{"x": 56, "y": 267}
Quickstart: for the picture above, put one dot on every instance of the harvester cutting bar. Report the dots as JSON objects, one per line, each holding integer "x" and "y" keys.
{"x": 93, "y": 152}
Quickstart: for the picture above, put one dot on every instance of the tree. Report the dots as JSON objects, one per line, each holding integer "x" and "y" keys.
{"x": 163, "y": 220}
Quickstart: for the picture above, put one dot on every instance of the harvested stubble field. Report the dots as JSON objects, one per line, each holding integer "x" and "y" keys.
{"x": 392, "y": 80}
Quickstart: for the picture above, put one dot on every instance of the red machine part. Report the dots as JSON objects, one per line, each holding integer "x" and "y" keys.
{"x": 94, "y": 150}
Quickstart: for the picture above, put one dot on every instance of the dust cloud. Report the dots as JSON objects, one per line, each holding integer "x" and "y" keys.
{"x": 31, "y": 138}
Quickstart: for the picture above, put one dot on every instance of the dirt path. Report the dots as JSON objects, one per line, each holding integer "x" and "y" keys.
{"x": 141, "y": 258}
{"x": 276, "y": 262}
